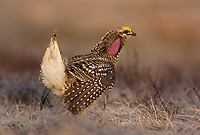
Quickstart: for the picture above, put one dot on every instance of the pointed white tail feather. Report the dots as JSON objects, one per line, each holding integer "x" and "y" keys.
{"x": 53, "y": 68}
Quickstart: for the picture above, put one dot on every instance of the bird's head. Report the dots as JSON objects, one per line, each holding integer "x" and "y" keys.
{"x": 112, "y": 42}
{"x": 125, "y": 32}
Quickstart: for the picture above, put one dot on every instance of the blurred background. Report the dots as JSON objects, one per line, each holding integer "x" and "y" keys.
{"x": 167, "y": 31}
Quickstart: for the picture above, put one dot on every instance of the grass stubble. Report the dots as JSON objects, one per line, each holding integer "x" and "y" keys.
{"x": 144, "y": 101}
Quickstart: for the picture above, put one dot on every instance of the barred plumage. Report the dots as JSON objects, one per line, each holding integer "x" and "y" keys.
{"x": 85, "y": 77}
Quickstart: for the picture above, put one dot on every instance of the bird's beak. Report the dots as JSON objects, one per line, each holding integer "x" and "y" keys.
{"x": 132, "y": 33}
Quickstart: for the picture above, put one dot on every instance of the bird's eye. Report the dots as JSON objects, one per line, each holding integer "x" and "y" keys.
{"x": 126, "y": 31}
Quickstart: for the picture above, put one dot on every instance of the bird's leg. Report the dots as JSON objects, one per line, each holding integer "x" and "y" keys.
{"x": 44, "y": 96}
{"x": 106, "y": 98}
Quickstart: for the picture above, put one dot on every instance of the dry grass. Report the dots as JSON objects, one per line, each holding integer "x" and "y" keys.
{"x": 148, "y": 104}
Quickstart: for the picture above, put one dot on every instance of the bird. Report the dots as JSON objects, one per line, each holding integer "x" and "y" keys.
{"x": 81, "y": 79}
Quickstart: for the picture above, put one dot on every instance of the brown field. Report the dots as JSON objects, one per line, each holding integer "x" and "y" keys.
{"x": 157, "y": 89}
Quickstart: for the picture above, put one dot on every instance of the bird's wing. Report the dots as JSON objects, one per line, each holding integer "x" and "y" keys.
{"x": 94, "y": 77}
{"x": 53, "y": 68}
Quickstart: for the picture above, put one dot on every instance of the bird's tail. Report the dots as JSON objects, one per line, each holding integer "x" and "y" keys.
{"x": 53, "y": 68}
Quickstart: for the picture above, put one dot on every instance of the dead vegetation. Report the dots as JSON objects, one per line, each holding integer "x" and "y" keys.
{"x": 141, "y": 102}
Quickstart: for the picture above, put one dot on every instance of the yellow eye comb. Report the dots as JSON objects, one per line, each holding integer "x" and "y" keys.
{"x": 126, "y": 28}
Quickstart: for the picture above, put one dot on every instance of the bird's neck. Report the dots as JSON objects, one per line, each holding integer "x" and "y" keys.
{"x": 109, "y": 47}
